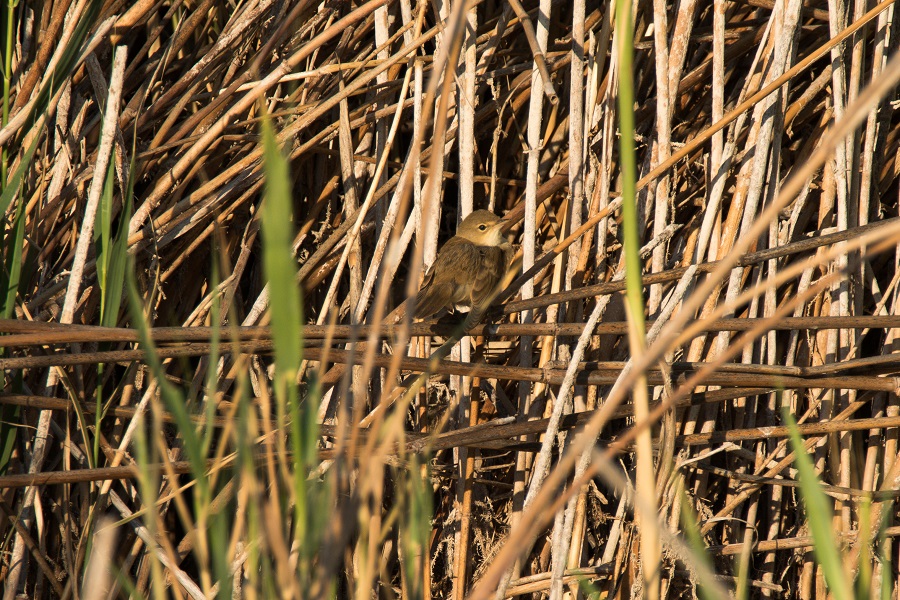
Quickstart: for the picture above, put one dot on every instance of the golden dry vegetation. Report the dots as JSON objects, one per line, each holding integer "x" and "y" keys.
{"x": 180, "y": 177}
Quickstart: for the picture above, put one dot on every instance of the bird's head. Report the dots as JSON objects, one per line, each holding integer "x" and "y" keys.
{"x": 482, "y": 228}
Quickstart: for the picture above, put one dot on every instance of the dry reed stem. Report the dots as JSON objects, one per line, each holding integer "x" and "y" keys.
{"x": 718, "y": 140}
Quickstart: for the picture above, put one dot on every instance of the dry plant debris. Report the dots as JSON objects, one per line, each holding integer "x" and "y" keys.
{"x": 133, "y": 174}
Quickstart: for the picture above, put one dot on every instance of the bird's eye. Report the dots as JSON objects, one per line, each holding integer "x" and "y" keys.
{"x": 482, "y": 227}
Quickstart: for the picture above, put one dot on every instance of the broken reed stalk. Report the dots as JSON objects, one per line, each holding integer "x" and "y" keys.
{"x": 21, "y": 334}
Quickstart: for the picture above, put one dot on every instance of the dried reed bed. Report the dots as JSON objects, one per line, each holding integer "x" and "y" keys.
{"x": 145, "y": 460}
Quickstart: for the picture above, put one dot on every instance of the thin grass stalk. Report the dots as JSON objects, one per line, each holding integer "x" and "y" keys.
{"x": 568, "y": 550}
{"x": 533, "y": 150}
{"x": 430, "y": 209}
{"x": 467, "y": 411}
{"x": 645, "y": 479}
{"x": 7, "y": 79}
{"x": 890, "y": 446}
{"x": 659, "y": 194}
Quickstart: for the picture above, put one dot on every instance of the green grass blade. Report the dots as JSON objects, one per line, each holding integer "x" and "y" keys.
{"x": 819, "y": 512}
{"x": 12, "y": 267}
{"x": 627, "y": 154}
{"x": 9, "y": 288}
{"x": 9, "y": 24}
{"x": 286, "y": 310}
{"x": 215, "y": 319}
{"x": 9, "y": 414}
{"x": 118, "y": 260}
{"x": 11, "y": 189}
{"x": 171, "y": 396}
{"x": 279, "y": 264}
{"x": 416, "y": 523}
{"x": 103, "y": 235}
{"x": 281, "y": 275}
{"x": 689, "y": 523}
{"x": 887, "y": 567}
{"x": 112, "y": 258}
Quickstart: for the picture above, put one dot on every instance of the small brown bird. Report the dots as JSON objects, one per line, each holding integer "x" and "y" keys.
{"x": 468, "y": 269}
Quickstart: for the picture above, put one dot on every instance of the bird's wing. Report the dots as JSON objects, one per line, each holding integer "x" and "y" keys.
{"x": 494, "y": 264}
{"x": 446, "y": 282}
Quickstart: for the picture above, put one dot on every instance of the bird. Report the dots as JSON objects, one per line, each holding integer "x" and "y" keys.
{"x": 468, "y": 270}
